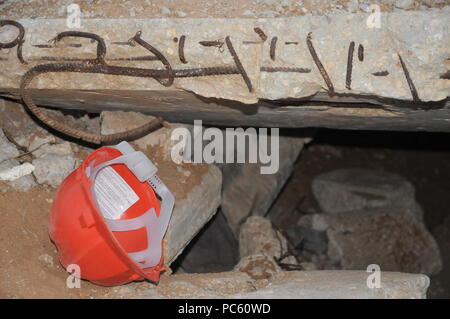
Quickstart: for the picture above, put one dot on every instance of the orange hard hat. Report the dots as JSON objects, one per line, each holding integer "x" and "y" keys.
{"x": 107, "y": 219}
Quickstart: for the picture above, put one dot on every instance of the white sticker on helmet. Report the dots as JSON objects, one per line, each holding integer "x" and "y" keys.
{"x": 114, "y": 196}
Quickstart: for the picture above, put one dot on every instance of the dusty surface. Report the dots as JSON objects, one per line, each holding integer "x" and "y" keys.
{"x": 180, "y": 182}
{"x": 199, "y": 8}
{"x": 29, "y": 261}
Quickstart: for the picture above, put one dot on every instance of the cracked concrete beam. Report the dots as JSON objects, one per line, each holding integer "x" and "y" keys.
{"x": 379, "y": 96}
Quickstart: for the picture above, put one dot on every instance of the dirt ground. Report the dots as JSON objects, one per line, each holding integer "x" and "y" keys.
{"x": 29, "y": 261}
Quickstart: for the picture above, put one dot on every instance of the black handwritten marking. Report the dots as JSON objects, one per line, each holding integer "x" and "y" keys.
{"x": 175, "y": 39}
{"x": 284, "y": 69}
{"x": 445, "y": 75}
{"x": 238, "y": 63}
{"x": 49, "y": 46}
{"x": 18, "y": 41}
{"x": 261, "y": 33}
{"x": 319, "y": 65}
{"x": 57, "y": 58}
{"x": 348, "y": 78}
{"x": 290, "y": 42}
{"x": 208, "y": 71}
{"x": 129, "y": 43}
{"x": 217, "y": 43}
{"x": 273, "y": 47}
{"x": 252, "y": 42}
{"x": 412, "y": 88}
{"x": 360, "y": 52}
{"x": 181, "y": 49}
{"x": 381, "y": 73}
{"x": 43, "y": 46}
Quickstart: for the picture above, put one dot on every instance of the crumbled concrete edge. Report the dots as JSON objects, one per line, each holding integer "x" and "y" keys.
{"x": 322, "y": 284}
{"x": 210, "y": 189}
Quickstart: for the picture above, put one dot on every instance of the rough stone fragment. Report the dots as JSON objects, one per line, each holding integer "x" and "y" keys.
{"x": 257, "y": 236}
{"x": 259, "y": 267}
{"x": 260, "y": 189}
{"x": 312, "y": 240}
{"x": 23, "y": 184}
{"x": 17, "y": 175}
{"x": 30, "y": 133}
{"x": 48, "y": 146}
{"x": 16, "y": 172}
{"x": 341, "y": 285}
{"x": 217, "y": 285}
{"x": 193, "y": 211}
{"x": 119, "y": 121}
{"x": 382, "y": 236}
{"x": 441, "y": 282}
{"x": 38, "y": 142}
{"x": 196, "y": 187}
{"x": 52, "y": 169}
{"x": 291, "y": 285}
{"x": 18, "y": 123}
{"x": 350, "y": 189}
{"x": 47, "y": 259}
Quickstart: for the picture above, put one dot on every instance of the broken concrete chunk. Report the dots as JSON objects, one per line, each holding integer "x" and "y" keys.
{"x": 259, "y": 267}
{"x": 257, "y": 236}
{"x": 350, "y": 189}
{"x": 16, "y": 172}
{"x": 37, "y": 142}
{"x": 196, "y": 207}
{"x": 48, "y": 146}
{"x": 216, "y": 285}
{"x": 382, "y": 236}
{"x": 290, "y": 285}
{"x": 17, "y": 176}
{"x": 341, "y": 285}
{"x": 260, "y": 189}
{"x": 53, "y": 169}
{"x": 120, "y": 121}
{"x": 47, "y": 259}
{"x": 423, "y": 46}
